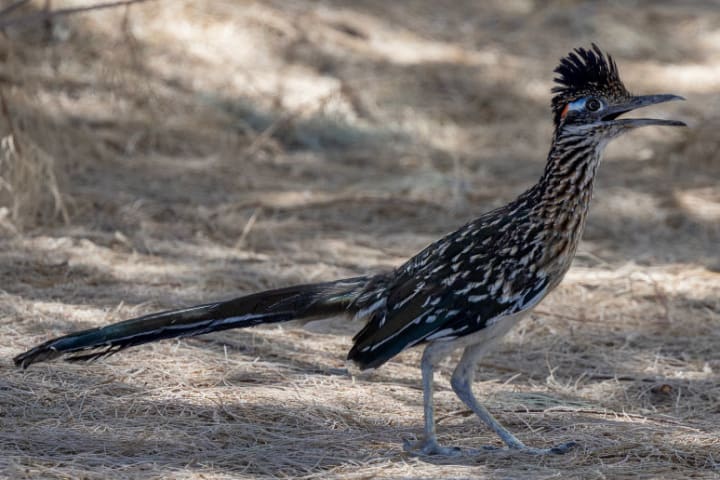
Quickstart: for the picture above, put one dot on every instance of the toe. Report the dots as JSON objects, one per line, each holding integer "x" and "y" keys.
{"x": 428, "y": 447}
{"x": 563, "y": 448}
{"x": 556, "y": 450}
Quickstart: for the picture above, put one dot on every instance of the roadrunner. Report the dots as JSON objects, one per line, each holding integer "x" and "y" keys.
{"x": 465, "y": 291}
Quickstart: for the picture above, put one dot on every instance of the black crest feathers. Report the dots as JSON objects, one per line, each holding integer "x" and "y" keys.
{"x": 585, "y": 72}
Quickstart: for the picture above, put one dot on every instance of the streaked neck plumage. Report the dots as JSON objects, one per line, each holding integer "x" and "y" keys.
{"x": 570, "y": 170}
{"x": 563, "y": 195}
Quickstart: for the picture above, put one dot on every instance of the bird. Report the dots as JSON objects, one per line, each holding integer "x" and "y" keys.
{"x": 463, "y": 292}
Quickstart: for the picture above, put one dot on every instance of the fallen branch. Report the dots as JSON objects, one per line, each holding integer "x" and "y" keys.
{"x": 7, "y": 10}
{"x": 44, "y": 16}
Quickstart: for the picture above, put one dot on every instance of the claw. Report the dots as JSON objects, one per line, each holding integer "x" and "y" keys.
{"x": 561, "y": 449}
{"x": 430, "y": 447}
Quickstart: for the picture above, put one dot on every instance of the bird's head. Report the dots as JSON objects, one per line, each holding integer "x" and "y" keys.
{"x": 590, "y": 97}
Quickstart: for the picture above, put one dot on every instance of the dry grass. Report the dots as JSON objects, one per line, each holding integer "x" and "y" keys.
{"x": 29, "y": 188}
{"x": 176, "y": 152}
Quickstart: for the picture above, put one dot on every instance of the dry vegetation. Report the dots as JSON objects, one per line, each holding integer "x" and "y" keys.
{"x": 180, "y": 151}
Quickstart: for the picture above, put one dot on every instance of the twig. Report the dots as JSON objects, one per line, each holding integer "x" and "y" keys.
{"x": 45, "y": 16}
{"x": 606, "y": 413}
{"x": 547, "y": 313}
{"x": 580, "y": 411}
{"x": 10, "y": 8}
{"x": 11, "y": 125}
{"x": 620, "y": 378}
{"x": 248, "y": 226}
{"x": 48, "y": 21}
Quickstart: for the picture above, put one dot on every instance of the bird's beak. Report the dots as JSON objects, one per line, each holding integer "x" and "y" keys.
{"x": 614, "y": 111}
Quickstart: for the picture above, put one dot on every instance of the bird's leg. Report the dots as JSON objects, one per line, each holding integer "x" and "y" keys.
{"x": 428, "y": 445}
{"x": 461, "y": 382}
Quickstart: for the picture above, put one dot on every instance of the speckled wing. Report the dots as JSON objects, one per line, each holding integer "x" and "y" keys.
{"x": 454, "y": 287}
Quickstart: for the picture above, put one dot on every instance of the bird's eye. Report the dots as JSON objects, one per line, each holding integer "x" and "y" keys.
{"x": 593, "y": 105}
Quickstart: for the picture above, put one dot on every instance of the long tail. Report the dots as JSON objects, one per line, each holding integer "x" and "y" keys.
{"x": 272, "y": 306}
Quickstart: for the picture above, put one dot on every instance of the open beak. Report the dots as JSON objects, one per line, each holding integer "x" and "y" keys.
{"x": 634, "y": 103}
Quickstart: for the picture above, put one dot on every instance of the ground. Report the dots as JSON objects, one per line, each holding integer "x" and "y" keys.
{"x": 172, "y": 153}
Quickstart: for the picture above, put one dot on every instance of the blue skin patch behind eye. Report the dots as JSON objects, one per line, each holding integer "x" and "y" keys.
{"x": 578, "y": 104}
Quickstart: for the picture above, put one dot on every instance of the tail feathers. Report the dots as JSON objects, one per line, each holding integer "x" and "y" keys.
{"x": 272, "y": 306}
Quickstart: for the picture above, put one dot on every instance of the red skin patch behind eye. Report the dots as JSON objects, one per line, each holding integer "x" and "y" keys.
{"x": 565, "y": 110}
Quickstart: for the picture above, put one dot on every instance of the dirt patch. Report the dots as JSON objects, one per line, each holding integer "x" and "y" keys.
{"x": 179, "y": 152}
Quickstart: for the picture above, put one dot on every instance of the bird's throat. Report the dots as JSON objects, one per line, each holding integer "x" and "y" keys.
{"x": 564, "y": 193}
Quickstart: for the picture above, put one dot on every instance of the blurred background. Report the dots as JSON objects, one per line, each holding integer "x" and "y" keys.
{"x": 164, "y": 153}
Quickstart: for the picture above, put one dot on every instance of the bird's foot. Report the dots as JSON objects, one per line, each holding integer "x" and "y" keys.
{"x": 556, "y": 450}
{"x": 430, "y": 446}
